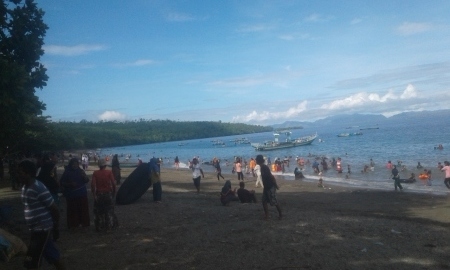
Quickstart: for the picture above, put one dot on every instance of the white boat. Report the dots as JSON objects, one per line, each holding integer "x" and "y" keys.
{"x": 288, "y": 143}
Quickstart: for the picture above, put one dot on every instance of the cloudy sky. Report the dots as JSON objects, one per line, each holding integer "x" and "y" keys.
{"x": 258, "y": 62}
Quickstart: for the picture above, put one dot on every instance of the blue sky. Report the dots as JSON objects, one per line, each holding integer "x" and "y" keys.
{"x": 255, "y": 62}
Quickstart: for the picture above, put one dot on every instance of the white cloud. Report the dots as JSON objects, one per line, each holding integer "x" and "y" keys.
{"x": 137, "y": 63}
{"x": 111, "y": 116}
{"x": 369, "y": 99}
{"x": 72, "y": 50}
{"x": 410, "y": 92}
{"x": 411, "y": 28}
{"x": 254, "y": 116}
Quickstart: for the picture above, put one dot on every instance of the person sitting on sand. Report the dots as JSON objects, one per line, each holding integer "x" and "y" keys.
{"x": 320, "y": 184}
{"x": 228, "y": 195}
{"x": 245, "y": 196}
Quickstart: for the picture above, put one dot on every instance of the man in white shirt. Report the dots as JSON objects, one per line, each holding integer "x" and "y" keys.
{"x": 197, "y": 173}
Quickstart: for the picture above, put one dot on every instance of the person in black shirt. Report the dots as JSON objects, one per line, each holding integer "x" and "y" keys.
{"x": 245, "y": 196}
{"x": 270, "y": 187}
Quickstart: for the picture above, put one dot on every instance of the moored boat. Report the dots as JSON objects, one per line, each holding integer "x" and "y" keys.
{"x": 288, "y": 143}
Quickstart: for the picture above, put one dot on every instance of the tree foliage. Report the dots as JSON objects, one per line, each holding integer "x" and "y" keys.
{"x": 21, "y": 39}
{"x": 71, "y": 135}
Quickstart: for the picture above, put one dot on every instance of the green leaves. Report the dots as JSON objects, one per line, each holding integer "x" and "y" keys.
{"x": 21, "y": 39}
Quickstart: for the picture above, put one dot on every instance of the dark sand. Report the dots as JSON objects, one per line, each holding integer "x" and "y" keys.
{"x": 337, "y": 228}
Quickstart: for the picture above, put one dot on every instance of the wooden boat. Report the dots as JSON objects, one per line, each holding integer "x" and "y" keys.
{"x": 288, "y": 143}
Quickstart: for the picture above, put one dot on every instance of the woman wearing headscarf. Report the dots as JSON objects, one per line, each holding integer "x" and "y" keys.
{"x": 115, "y": 166}
{"x": 73, "y": 184}
{"x": 227, "y": 194}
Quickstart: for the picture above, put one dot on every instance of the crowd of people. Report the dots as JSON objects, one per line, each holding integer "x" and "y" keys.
{"x": 40, "y": 182}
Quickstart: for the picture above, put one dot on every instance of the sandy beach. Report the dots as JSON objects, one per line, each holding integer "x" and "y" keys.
{"x": 322, "y": 228}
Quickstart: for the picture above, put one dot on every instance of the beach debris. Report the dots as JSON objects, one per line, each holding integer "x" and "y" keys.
{"x": 364, "y": 250}
{"x": 379, "y": 243}
{"x": 394, "y": 231}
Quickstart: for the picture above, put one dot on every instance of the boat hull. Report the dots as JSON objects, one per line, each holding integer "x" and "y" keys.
{"x": 281, "y": 145}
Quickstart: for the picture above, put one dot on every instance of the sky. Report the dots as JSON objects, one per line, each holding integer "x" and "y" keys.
{"x": 253, "y": 62}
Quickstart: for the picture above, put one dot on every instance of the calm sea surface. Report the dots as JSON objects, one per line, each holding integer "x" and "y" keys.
{"x": 409, "y": 144}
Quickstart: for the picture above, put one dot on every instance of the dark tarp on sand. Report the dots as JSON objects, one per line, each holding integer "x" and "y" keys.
{"x": 136, "y": 184}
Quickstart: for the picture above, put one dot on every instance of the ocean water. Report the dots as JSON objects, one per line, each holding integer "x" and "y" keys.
{"x": 408, "y": 143}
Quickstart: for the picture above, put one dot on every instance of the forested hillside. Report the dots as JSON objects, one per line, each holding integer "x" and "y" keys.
{"x": 72, "y": 135}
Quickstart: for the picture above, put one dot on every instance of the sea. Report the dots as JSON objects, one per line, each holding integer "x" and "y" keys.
{"x": 402, "y": 144}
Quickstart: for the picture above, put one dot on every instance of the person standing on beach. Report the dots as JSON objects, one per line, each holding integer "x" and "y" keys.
{"x": 270, "y": 187}
{"x": 446, "y": 169}
{"x": 395, "y": 175}
{"x": 42, "y": 217}
{"x": 115, "y": 167}
{"x": 103, "y": 187}
{"x": 177, "y": 162}
{"x": 197, "y": 173}
{"x": 155, "y": 175}
{"x": 338, "y": 165}
{"x": 238, "y": 168}
{"x": 73, "y": 184}
{"x": 48, "y": 176}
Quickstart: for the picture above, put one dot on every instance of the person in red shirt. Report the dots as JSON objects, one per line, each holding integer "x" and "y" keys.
{"x": 103, "y": 188}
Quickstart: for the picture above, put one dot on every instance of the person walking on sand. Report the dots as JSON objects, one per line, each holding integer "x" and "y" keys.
{"x": 103, "y": 187}
{"x": 197, "y": 173}
{"x": 446, "y": 169}
{"x": 258, "y": 176}
{"x": 395, "y": 175}
{"x": 270, "y": 187}
{"x": 42, "y": 217}
{"x": 216, "y": 164}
